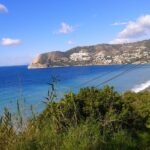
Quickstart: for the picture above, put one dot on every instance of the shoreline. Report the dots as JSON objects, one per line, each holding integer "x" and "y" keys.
{"x": 30, "y": 68}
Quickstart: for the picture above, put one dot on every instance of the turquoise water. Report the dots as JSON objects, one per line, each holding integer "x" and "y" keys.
{"x": 31, "y": 86}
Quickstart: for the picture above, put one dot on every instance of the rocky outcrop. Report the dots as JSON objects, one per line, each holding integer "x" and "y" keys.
{"x": 102, "y": 54}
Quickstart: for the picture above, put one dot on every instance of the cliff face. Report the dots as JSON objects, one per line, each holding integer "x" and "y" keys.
{"x": 102, "y": 54}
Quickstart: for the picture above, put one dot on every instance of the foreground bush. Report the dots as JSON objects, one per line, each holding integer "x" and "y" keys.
{"x": 89, "y": 120}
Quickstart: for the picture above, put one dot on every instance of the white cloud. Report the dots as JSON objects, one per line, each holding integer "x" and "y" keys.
{"x": 70, "y": 42}
{"x": 10, "y": 42}
{"x": 65, "y": 28}
{"x": 134, "y": 30}
{"x": 119, "y": 23}
{"x": 3, "y": 8}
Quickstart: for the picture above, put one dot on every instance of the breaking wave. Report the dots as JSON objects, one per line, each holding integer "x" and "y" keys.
{"x": 141, "y": 87}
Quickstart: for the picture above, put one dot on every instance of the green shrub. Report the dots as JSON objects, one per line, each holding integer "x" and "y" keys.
{"x": 89, "y": 120}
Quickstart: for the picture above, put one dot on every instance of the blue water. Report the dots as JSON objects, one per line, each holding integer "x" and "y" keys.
{"x": 31, "y": 86}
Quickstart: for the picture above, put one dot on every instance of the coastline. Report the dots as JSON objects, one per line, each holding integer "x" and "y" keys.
{"x": 42, "y": 67}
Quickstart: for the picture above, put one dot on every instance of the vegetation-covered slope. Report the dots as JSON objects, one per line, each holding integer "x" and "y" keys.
{"x": 92, "y": 119}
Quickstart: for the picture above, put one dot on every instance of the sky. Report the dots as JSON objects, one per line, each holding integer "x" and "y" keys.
{"x": 31, "y": 27}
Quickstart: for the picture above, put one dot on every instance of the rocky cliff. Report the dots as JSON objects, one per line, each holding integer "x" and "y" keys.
{"x": 102, "y": 54}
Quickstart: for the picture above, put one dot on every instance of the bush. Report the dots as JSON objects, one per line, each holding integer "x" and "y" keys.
{"x": 89, "y": 120}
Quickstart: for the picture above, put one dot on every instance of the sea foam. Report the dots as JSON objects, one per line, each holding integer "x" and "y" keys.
{"x": 141, "y": 87}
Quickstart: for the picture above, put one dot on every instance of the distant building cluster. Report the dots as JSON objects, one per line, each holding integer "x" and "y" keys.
{"x": 141, "y": 54}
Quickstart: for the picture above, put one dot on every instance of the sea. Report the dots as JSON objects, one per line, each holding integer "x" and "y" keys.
{"x": 30, "y": 87}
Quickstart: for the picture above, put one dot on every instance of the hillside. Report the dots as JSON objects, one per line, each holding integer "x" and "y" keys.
{"x": 92, "y": 119}
{"x": 101, "y": 54}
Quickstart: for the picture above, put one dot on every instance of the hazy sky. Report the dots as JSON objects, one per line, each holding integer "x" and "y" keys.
{"x": 31, "y": 27}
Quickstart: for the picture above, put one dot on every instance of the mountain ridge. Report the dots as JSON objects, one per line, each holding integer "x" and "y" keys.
{"x": 100, "y": 54}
